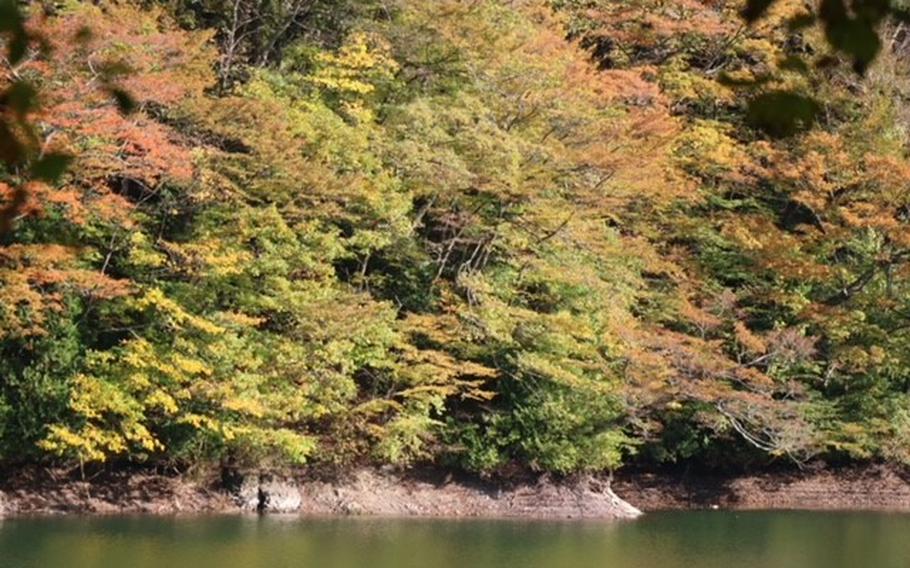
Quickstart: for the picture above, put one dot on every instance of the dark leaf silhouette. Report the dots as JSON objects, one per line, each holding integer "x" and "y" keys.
{"x": 51, "y": 167}
{"x": 755, "y": 9}
{"x": 125, "y": 102}
{"x": 782, "y": 113}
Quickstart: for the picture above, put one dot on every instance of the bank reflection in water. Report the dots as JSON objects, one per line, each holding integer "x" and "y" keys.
{"x": 711, "y": 539}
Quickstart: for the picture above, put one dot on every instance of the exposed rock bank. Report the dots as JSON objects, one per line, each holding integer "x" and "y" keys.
{"x": 371, "y": 493}
{"x": 874, "y": 488}
{"x": 34, "y": 492}
{"x": 438, "y": 494}
{"x": 362, "y": 492}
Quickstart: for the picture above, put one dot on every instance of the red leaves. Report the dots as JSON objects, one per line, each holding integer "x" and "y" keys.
{"x": 126, "y": 49}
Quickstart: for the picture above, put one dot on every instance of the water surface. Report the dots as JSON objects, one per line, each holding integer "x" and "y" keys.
{"x": 715, "y": 539}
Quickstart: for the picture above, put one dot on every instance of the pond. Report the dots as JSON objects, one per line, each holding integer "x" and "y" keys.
{"x": 708, "y": 539}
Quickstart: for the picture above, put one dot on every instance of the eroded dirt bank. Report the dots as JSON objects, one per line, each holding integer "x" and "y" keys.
{"x": 361, "y": 492}
{"x": 876, "y": 488}
{"x": 440, "y": 494}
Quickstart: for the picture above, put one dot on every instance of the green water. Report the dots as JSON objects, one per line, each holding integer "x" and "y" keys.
{"x": 665, "y": 540}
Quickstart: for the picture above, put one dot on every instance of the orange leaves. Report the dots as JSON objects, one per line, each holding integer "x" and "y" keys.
{"x": 693, "y": 368}
{"x": 27, "y": 194}
{"x": 830, "y": 197}
{"x": 784, "y": 252}
{"x": 97, "y": 49}
{"x": 702, "y": 319}
{"x": 669, "y": 370}
{"x": 649, "y": 23}
{"x": 141, "y": 50}
{"x": 33, "y": 279}
{"x": 749, "y": 341}
{"x": 121, "y": 160}
{"x": 611, "y": 124}
{"x": 134, "y": 147}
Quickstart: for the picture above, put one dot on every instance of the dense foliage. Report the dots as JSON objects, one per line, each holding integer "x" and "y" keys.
{"x": 558, "y": 235}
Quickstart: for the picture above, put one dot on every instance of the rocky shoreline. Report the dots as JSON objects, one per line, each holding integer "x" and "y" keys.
{"x": 367, "y": 492}
{"x": 865, "y": 488}
{"x": 377, "y": 492}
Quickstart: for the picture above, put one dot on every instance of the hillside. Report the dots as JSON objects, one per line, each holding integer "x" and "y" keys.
{"x": 549, "y": 236}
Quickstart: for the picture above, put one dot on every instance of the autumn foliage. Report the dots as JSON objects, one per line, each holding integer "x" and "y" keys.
{"x": 551, "y": 235}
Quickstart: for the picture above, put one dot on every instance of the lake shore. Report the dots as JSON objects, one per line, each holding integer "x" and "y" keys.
{"x": 360, "y": 492}
{"x": 434, "y": 493}
{"x": 858, "y": 488}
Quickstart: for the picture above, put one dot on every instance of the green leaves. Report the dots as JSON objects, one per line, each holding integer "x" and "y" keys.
{"x": 451, "y": 237}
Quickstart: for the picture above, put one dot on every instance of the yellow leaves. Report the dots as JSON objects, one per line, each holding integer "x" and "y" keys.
{"x": 292, "y": 446}
{"x": 780, "y": 12}
{"x": 440, "y": 329}
{"x": 160, "y": 399}
{"x": 514, "y": 198}
{"x": 155, "y": 298}
{"x": 707, "y": 149}
{"x": 759, "y": 48}
{"x": 551, "y": 106}
{"x": 685, "y": 85}
{"x": 190, "y": 366}
{"x": 203, "y": 422}
{"x": 428, "y": 373}
{"x": 858, "y": 360}
{"x": 89, "y": 445}
{"x": 147, "y": 367}
{"x": 421, "y": 369}
{"x": 240, "y": 320}
{"x": 246, "y": 406}
{"x": 217, "y": 257}
{"x": 357, "y": 66}
{"x": 540, "y": 366}
{"x": 774, "y": 249}
{"x": 535, "y": 128}
{"x": 141, "y": 253}
{"x": 377, "y": 407}
{"x": 138, "y": 353}
{"x": 112, "y": 424}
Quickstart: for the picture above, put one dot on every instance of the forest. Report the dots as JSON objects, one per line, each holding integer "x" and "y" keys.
{"x": 489, "y": 235}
